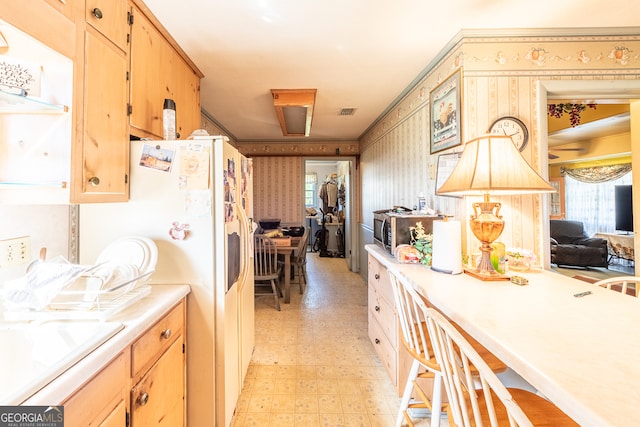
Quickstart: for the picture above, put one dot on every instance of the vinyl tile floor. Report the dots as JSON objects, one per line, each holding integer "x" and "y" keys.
{"x": 313, "y": 363}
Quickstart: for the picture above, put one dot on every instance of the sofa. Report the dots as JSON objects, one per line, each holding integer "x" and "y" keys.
{"x": 571, "y": 246}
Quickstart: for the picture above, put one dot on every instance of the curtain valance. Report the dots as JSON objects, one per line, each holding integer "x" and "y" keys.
{"x": 597, "y": 174}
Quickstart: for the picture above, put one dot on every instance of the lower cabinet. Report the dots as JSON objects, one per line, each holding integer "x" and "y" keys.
{"x": 103, "y": 400}
{"x": 158, "y": 373}
{"x": 158, "y": 398}
{"x": 384, "y": 328}
{"x": 143, "y": 386}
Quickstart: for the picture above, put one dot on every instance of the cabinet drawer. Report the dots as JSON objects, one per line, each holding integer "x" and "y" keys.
{"x": 157, "y": 339}
{"x": 379, "y": 278}
{"x": 373, "y": 271}
{"x": 384, "y": 349}
{"x": 101, "y": 398}
{"x": 384, "y": 314}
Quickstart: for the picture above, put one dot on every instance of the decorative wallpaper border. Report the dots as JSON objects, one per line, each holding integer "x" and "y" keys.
{"x": 299, "y": 148}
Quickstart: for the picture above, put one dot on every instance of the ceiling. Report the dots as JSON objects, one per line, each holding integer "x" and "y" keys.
{"x": 605, "y": 119}
{"x": 360, "y": 54}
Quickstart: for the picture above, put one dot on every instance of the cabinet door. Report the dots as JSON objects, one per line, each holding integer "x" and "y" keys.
{"x": 105, "y": 142}
{"x": 118, "y": 417}
{"x": 153, "y": 55}
{"x": 186, "y": 93}
{"x": 158, "y": 399}
{"x": 149, "y": 55}
{"x": 109, "y": 17}
{"x": 102, "y": 401}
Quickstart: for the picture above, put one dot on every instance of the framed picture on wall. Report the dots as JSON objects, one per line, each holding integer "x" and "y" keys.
{"x": 446, "y": 111}
{"x": 446, "y": 164}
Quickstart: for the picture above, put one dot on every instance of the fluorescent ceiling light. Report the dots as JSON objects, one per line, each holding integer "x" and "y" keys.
{"x": 294, "y": 108}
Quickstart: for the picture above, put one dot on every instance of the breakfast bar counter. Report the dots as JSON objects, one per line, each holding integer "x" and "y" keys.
{"x": 578, "y": 350}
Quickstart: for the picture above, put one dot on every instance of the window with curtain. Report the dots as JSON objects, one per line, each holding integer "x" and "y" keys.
{"x": 310, "y": 185}
{"x": 590, "y": 195}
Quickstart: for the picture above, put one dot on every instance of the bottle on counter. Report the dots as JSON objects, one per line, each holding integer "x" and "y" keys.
{"x": 422, "y": 203}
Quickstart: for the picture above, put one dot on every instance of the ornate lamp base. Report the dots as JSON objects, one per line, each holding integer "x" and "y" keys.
{"x": 487, "y": 226}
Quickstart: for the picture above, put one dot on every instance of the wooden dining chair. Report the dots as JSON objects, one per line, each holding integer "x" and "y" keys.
{"x": 299, "y": 262}
{"x": 476, "y": 396}
{"x": 266, "y": 267}
{"x": 629, "y": 285}
{"x": 415, "y": 338}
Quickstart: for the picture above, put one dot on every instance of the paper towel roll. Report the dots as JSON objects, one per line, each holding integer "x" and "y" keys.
{"x": 447, "y": 247}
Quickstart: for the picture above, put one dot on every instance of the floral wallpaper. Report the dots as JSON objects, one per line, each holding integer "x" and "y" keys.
{"x": 278, "y": 190}
{"x": 500, "y": 75}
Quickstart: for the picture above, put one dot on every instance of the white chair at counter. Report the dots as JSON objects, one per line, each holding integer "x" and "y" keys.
{"x": 415, "y": 338}
{"x": 622, "y": 284}
{"x": 461, "y": 367}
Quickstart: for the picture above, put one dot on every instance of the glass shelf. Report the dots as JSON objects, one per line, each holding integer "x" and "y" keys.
{"x": 24, "y": 184}
{"x": 17, "y": 104}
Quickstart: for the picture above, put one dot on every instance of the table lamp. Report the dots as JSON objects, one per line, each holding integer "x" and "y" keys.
{"x": 491, "y": 164}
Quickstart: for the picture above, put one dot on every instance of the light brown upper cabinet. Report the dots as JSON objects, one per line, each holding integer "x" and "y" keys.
{"x": 110, "y": 18}
{"x": 114, "y": 88}
{"x": 100, "y": 158}
{"x": 154, "y": 54}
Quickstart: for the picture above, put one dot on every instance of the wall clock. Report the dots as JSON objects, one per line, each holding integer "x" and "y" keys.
{"x": 513, "y": 127}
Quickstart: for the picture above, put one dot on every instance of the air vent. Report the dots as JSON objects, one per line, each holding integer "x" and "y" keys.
{"x": 347, "y": 112}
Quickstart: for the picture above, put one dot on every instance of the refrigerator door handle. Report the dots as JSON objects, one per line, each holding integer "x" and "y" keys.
{"x": 247, "y": 248}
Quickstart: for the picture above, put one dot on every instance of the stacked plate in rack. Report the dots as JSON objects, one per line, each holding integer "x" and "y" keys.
{"x": 117, "y": 280}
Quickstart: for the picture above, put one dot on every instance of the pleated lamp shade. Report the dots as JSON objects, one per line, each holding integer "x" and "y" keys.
{"x": 492, "y": 164}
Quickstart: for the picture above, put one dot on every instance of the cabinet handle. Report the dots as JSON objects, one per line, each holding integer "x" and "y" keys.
{"x": 143, "y": 399}
{"x": 377, "y": 341}
{"x": 166, "y": 334}
{"x": 94, "y": 180}
{"x": 377, "y": 308}
{"x": 97, "y": 13}
{"x": 377, "y": 276}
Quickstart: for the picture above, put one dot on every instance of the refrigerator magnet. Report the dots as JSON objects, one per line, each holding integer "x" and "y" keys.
{"x": 156, "y": 157}
{"x": 179, "y": 231}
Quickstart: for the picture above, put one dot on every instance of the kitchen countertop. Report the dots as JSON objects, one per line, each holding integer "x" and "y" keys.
{"x": 135, "y": 320}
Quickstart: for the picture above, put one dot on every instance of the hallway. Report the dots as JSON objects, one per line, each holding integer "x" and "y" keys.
{"x": 313, "y": 363}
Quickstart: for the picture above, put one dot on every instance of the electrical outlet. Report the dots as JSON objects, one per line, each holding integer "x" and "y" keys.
{"x": 16, "y": 251}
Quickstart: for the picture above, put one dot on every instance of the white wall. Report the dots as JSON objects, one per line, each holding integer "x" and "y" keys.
{"x": 50, "y": 226}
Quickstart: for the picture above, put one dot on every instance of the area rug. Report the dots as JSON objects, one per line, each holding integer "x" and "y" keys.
{"x": 596, "y": 273}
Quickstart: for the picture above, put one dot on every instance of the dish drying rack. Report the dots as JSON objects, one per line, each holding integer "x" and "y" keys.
{"x": 75, "y": 303}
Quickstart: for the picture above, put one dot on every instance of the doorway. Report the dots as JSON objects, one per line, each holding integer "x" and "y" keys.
{"x": 329, "y": 193}
{"x": 620, "y": 91}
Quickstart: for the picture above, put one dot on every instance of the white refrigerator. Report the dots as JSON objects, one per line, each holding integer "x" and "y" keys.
{"x": 194, "y": 199}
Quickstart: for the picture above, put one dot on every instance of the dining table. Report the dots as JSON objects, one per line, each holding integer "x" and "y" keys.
{"x": 577, "y": 343}
{"x": 287, "y": 251}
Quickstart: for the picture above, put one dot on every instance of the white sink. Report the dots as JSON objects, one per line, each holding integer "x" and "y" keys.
{"x": 34, "y": 354}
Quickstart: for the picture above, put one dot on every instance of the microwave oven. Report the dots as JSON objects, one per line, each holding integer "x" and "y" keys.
{"x": 392, "y": 228}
